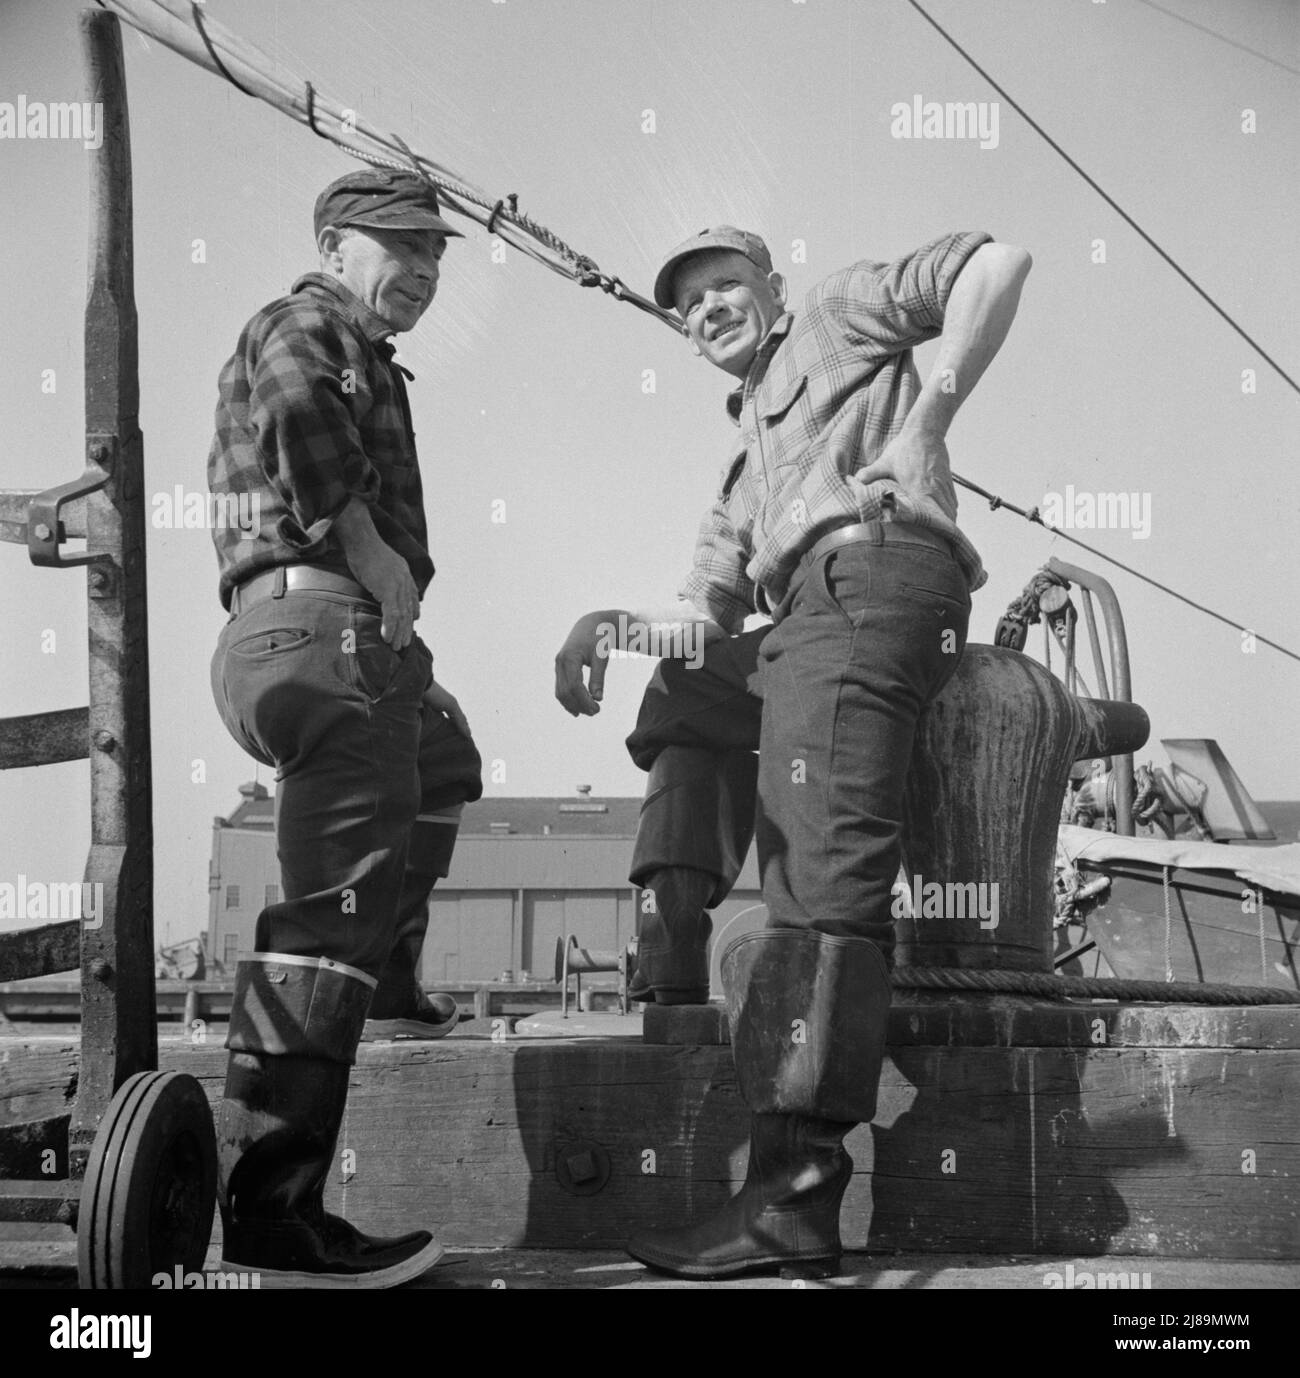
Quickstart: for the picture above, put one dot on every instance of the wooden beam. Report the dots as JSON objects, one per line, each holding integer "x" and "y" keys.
{"x": 35, "y": 1148}
{"x": 29, "y": 952}
{"x": 1056, "y": 1130}
{"x": 40, "y": 1203}
{"x": 41, "y": 739}
{"x": 118, "y": 1025}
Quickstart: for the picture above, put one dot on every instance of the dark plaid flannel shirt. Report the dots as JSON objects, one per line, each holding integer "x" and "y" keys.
{"x": 827, "y": 391}
{"x": 312, "y": 412}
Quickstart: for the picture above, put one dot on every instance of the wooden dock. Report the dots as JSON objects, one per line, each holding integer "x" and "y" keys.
{"x": 1006, "y": 1127}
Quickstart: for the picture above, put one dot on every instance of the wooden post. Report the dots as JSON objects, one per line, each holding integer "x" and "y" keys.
{"x": 118, "y": 1021}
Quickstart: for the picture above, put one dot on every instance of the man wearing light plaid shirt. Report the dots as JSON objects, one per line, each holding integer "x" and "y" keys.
{"x": 835, "y": 516}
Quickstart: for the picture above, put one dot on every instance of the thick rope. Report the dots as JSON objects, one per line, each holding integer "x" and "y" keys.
{"x": 177, "y": 25}
{"x": 1088, "y": 987}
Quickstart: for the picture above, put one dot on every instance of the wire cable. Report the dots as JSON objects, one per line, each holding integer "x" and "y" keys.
{"x": 1223, "y": 38}
{"x": 1109, "y": 200}
{"x": 1033, "y": 515}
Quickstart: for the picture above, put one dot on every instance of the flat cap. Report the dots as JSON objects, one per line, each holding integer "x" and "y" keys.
{"x": 719, "y": 237}
{"x": 384, "y": 198}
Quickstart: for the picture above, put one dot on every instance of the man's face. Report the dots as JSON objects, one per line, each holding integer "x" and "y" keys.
{"x": 727, "y": 305}
{"x": 395, "y": 272}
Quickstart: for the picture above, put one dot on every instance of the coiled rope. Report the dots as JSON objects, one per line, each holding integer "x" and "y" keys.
{"x": 999, "y": 982}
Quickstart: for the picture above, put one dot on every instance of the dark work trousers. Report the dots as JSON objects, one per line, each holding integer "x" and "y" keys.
{"x": 830, "y": 695}
{"x": 370, "y": 778}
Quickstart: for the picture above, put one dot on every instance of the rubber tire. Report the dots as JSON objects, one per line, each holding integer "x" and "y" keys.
{"x": 150, "y": 1189}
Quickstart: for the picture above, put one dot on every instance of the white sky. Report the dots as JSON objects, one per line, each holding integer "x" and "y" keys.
{"x": 773, "y": 114}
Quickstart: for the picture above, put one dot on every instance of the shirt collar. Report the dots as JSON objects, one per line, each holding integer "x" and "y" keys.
{"x": 372, "y": 326}
{"x": 770, "y": 343}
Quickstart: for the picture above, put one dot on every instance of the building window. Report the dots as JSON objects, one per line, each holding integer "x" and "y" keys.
{"x": 231, "y": 954}
{"x": 272, "y": 894}
{"x": 232, "y": 896}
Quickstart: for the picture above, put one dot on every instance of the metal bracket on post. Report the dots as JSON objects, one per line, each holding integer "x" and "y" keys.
{"x": 45, "y": 533}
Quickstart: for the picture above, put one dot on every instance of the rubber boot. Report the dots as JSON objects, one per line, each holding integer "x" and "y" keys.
{"x": 692, "y": 836}
{"x": 808, "y": 1015}
{"x": 276, "y": 1134}
{"x": 786, "y": 1216}
{"x": 400, "y": 1008}
{"x": 294, "y": 1026}
{"x": 673, "y": 929}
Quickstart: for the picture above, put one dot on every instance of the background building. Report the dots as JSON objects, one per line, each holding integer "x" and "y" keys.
{"x": 526, "y": 872}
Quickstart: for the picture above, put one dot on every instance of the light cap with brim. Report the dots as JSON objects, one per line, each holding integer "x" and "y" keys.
{"x": 381, "y": 198}
{"x": 719, "y": 237}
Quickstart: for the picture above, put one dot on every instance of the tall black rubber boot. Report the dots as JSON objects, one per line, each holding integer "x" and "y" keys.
{"x": 295, "y": 1023}
{"x": 808, "y": 1016}
{"x": 785, "y": 1217}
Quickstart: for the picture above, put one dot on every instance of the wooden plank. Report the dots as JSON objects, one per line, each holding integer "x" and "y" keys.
{"x": 1056, "y": 1150}
{"x": 40, "y": 739}
{"x": 35, "y": 1149}
{"x": 40, "y": 1202}
{"x": 29, "y": 952}
{"x": 1001, "y": 1021}
{"x": 1166, "y": 1150}
{"x": 38, "y": 1078}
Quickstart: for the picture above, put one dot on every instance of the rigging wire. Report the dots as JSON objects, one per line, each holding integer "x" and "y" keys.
{"x": 1033, "y": 515}
{"x": 1109, "y": 200}
{"x": 1223, "y": 38}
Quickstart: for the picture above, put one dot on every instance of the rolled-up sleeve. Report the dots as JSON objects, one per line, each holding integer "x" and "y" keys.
{"x": 308, "y": 389}
{"x": 890, "y": 307}
{"x": 717, "y": 583}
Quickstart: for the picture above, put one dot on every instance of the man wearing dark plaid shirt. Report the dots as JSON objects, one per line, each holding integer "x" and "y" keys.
{"x": 319, "y": 674}
{"x": 836, "y": 516}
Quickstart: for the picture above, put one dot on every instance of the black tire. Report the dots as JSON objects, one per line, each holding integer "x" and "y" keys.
{"x": 151, "y": 1184}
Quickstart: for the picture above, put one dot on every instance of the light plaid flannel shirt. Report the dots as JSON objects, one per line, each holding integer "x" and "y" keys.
{"x": 827, "y": 391}
{"x": 312, "y": 411}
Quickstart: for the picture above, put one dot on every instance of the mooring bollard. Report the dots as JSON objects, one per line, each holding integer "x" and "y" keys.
{"x": 989, "y": 771}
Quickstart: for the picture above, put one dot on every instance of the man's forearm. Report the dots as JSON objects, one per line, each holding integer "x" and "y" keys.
{"x": 980, "y": 309}
{"x": 355, "y": 530}
{"x": 663, "y": 625}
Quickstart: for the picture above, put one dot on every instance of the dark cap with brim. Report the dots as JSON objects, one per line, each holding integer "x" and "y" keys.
{"x": 382, "y": 199}
{"x": 719, "y": 237}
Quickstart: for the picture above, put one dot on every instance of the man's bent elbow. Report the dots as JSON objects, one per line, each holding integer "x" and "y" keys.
{"x": 1009, "y": 259}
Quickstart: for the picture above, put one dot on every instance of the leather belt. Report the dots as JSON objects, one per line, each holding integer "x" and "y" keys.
{"x": 273, "y": 583}
{"x": 860, "y": 533}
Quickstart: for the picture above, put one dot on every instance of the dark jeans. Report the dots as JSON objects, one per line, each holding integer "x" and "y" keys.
{"x": 830, "y": 696}
{"x": 369, "y": 776}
